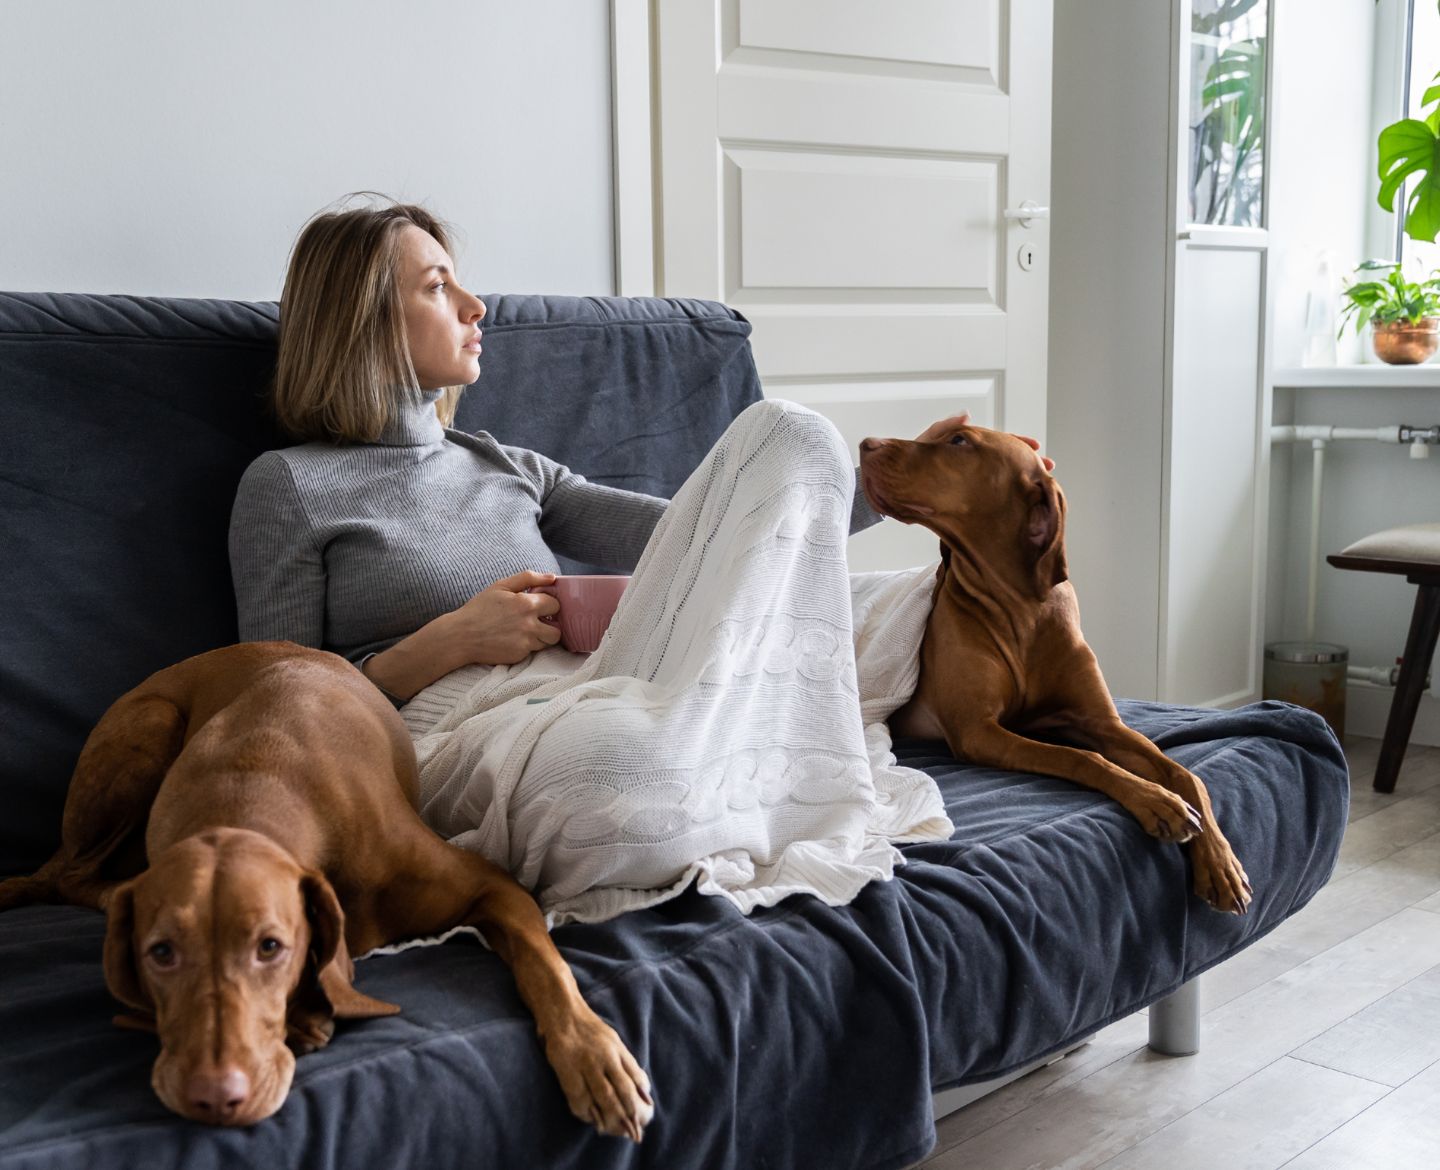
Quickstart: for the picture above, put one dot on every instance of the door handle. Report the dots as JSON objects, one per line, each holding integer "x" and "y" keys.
{"x": 1026, "y": 213}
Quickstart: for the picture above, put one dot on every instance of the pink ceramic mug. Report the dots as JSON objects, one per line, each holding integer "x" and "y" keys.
{"x": 587, "y": 603}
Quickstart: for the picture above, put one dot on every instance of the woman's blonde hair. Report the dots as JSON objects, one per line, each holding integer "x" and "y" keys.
{"x": 344, "y": 360}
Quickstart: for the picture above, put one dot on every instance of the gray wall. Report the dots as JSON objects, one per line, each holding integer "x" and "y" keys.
{"x": 174, "y": 148}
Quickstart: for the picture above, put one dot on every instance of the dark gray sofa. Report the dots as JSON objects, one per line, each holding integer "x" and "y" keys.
{"x": 799, "y": 1036}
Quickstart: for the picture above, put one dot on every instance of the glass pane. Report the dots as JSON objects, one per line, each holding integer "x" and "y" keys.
{"x": 1419, "y": 256}
{"x": 1227, "y": 111}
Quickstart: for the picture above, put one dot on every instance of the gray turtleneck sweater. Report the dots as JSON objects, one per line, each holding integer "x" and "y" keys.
{"x": 351, "y": 548}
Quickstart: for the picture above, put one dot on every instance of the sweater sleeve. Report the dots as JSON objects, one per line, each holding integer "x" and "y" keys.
{"x": 275, "y": 562}
{"x": 862, "y": 515}
{"x": 610, "y": 526}
{"x": 588, "y": 521}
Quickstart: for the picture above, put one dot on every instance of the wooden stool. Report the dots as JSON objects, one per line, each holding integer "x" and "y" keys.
{"x": 1415, "y": 551}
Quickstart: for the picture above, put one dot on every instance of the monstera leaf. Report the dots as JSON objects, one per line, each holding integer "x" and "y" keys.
{"x": 1234, "y": 89}
{"x": 1411, "y": 147}
{"x": 1229, "y": 135}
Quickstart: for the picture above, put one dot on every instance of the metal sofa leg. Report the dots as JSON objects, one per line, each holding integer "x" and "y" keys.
{"x": 1175, "y": 1022}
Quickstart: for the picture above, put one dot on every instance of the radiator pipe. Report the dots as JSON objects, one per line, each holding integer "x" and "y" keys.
{"x": 1420, "y": 439}
{"x": 1313, "y": 596}
{"x": 1378, "y": 676}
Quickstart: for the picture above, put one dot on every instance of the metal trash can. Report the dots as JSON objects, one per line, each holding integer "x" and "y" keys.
{"x": 1310, "y": 674}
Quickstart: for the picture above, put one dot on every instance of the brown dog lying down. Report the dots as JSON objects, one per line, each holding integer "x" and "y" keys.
{"x": 270, "y": 785}
{"x": 1003, "y": 657}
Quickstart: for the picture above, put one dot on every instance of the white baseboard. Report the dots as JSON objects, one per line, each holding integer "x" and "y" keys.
{"x": 1367, "y": 707}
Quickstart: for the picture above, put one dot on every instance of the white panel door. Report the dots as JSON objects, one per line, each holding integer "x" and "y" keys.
{"x": 840, "y": 172}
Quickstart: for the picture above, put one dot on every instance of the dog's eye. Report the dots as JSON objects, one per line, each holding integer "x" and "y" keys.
{"x": 270, "y": 947}
{"x": 162, "y": 954}
{"x": 958, "y": 440}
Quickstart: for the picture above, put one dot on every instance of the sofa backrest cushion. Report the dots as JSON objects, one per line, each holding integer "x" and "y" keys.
{"x": 126, "y": 423}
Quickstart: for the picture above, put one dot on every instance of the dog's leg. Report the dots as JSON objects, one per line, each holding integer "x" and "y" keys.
{"x": 1083, "y": 712}
{"x": 1160, "y": 812}
{"x": 31, "y": 888}
{"x": 1219, "y": 878}
{"x": 119, "y": 771}
{"x": 445, "y": 887}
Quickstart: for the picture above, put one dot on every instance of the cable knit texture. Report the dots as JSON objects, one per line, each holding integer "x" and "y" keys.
{"x": 723, "y": 732}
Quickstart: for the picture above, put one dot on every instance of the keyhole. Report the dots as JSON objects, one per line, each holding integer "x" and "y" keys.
{"x": 1027, "y": 256}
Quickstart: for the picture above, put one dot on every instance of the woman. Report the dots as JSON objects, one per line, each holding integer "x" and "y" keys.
{"x": 384, "y": 539}
{"x": 408, "y": 548}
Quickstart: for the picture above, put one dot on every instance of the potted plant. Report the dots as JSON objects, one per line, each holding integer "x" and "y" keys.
{"x": 1405, "y": 315}
{"x": 1409, "y": 171}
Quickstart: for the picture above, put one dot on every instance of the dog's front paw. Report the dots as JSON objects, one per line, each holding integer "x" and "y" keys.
{"x": 1219, "y": 878}
{"x": 1169, "y": 818}
{"x": 603, "y": 1083}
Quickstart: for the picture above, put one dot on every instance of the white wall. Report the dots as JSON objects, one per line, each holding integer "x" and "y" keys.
{"x": 1322, "y": 156}
{"x": 1323, "y": 186}
{"x": 175, "y": 148}
{"x": 1366, "y": 487}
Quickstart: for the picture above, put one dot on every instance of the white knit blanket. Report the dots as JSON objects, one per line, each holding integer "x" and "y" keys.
{"x": 729, "y": 730}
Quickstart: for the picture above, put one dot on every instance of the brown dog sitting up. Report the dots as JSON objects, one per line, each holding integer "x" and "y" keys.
{"x": 272, "y": 790}
{"x": 1003, "y": 657}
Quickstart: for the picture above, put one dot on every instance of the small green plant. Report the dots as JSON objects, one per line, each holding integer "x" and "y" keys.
{"x": 1389, "y": 299}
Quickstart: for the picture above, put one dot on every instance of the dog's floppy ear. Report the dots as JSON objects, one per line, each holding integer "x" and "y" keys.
{"x": 335, "y": 970}
{"x": 1045, "y": 536}
{"x": 322, "y": 910}
{"x": 122, "y": 976}
{"x": 325, "y": 992}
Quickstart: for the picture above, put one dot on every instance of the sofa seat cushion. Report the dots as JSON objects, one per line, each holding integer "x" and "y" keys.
{"x": 801, "y": 1035}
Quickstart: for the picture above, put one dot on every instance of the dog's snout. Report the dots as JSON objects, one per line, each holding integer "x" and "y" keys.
{"x": 218, "y": 1094}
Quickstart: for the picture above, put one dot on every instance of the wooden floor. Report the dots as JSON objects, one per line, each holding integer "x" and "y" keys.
{"x": 1320, "y": 1044}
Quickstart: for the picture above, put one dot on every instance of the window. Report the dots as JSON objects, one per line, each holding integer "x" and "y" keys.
{"x": 1228, "y": 55}
{"x": 1423, "y": 63}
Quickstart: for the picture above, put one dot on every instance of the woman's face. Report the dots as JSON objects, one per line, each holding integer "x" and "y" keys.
{"x": 442, "y": 319}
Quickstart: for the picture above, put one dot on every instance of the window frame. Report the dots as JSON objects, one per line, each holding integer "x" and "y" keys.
{"x": 1390, "y": 87}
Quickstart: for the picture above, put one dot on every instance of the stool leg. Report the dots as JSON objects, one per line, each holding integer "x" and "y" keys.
{"x": 1419, "y": 651}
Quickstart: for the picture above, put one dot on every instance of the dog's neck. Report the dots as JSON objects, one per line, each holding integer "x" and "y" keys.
{"x": 989, "y": 585}
{"x": 998, "y": 597}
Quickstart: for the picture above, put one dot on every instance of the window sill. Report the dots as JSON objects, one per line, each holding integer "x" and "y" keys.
{"x": 1359, "y": 377}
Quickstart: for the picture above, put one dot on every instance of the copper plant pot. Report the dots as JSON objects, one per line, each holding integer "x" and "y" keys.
{"x": 1407, "y": 343}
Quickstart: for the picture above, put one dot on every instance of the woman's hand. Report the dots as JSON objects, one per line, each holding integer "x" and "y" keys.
{"x": 500, "y": 625}
{"x": 936, "y": 429}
